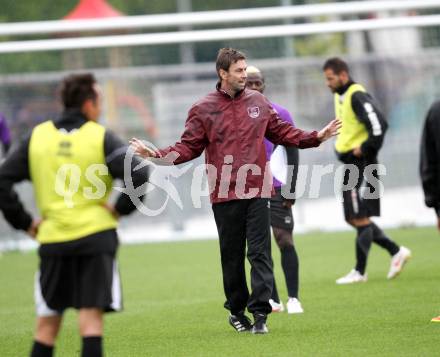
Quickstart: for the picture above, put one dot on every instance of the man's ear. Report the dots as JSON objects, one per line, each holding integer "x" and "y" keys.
{"x": 86, "y": 107}
{"x": 344, "y": 76}
{"x": 223, "y": 74}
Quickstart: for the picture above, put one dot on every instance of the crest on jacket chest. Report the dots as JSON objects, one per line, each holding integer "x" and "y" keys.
{"x": 253, "y": 112}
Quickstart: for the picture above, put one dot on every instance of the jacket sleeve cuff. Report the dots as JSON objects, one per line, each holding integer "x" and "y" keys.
{"x": 124, "y": 206}
{"x": 24, "y": 223}
{"x": 310, "y": 141}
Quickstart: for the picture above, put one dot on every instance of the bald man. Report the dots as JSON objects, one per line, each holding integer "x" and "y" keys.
{"x": 281, "y": 218}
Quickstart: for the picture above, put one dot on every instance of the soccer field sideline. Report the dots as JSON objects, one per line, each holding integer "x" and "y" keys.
{"x": 173, "y": 303}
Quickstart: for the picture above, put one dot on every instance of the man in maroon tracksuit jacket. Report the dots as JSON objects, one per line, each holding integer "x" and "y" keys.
{"x": 230, "y": 125}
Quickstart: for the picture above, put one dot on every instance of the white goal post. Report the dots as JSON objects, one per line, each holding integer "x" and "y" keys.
{"x": 216, "y": 17}
{"x": 213, "y": 17}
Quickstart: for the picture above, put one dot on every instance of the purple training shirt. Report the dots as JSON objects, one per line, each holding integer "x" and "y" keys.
{"x": 5, "y": 135}
{"x": 284, "y": 115}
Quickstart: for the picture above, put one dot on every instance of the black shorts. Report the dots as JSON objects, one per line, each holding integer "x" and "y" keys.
{"x": 78, "y": 281}
{"x": 280, "y": 216}
{"x": 355, "y": 201}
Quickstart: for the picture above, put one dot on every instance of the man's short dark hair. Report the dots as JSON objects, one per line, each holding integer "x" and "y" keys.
{"x": 226, "y": 57}
{"x": 76, "y": 89}
{"x": 336, "y": 64}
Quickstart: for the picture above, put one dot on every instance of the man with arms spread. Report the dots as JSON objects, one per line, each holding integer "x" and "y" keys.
{"x": 71, "y": 162}
{"x": 430, "y": 163}
{"x": 230, "y": 124}
{"x": 358, "y": 144}
{"x": 281, "y": 218}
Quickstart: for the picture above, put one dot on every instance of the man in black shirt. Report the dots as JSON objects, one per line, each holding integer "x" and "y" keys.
{"x": 430, "y": 163}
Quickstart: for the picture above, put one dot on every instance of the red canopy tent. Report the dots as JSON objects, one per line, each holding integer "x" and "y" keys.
{"x": 92, "y": 9}
{"x": 96, "y": 9}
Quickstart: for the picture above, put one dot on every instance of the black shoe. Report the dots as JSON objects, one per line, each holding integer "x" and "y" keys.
{"x": 259, "y": 324}
{"x": 240, "y": 323}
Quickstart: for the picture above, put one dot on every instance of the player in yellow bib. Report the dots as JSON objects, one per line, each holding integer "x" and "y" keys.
{"x": 357, "y": 146}
{"x": 71, "y": 162}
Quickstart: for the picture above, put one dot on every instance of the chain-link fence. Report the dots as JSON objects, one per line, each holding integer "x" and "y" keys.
{"x": 151, "y": 102}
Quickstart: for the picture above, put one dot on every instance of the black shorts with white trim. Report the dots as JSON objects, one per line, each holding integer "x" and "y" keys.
{"x": 280, "y": 216}
{"x": 362, "y": 199}
{"x": 79, "y": 280}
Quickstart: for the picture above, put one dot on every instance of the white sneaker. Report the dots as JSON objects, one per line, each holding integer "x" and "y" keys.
{"x": 276, "y": 307}
{"x": 352, "y": 277}
{"x": 398, "y": 261}
{"x": 294, "y": 306}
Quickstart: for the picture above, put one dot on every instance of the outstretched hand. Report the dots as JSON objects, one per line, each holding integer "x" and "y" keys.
{"x": 330, "y": 130}
{"x": 141, "y": 149}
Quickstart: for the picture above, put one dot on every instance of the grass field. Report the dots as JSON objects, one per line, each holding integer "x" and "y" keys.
{"x": 173, "y": 303}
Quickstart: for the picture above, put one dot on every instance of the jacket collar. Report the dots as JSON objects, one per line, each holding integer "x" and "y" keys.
{"x": 72, "y": 117}
{"x": 344, "y": 88}
{"x": 226, "y": 94}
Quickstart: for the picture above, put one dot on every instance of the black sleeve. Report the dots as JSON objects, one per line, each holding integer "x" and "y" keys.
{"x": 430, "y": 158}
{"x": 115, "y": 151}
{"x": 293, "y": 161}
{"x": 6, "y": 147}
{"x": 368, "y": 113}
{"x": 15, "y": 169}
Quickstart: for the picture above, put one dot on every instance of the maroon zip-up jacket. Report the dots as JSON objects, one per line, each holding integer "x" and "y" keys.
{"x": 231, "y": 131}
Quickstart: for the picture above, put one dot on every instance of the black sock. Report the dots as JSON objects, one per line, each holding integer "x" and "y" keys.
{"x": 92, "y": 346}
{"x": 275, "y": 297}
{"x": 290, "y": 264}
{"x": 363, "y": 243}
{"x": 41, "y": 350}
{"x": 381, "y": 239}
